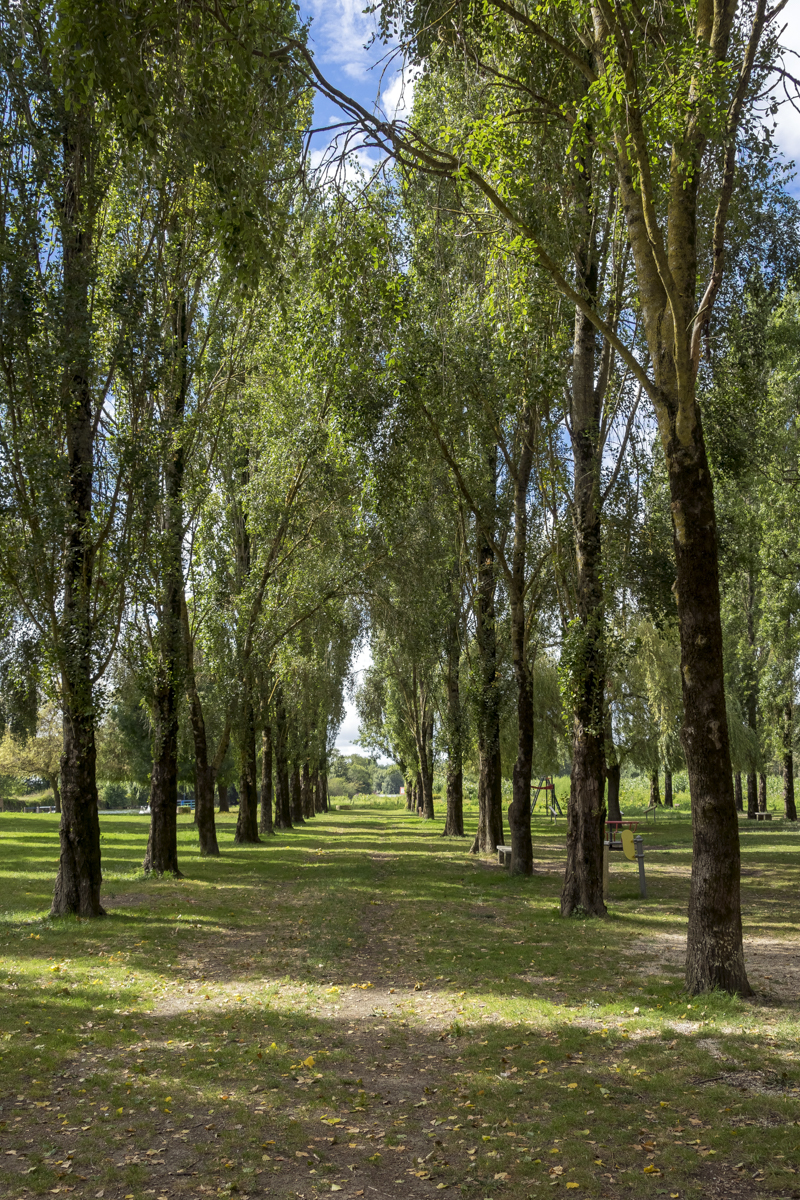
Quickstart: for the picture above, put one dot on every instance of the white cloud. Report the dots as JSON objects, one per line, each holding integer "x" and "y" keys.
{"x": 349, "y": 728}
{"x": 396, "y": 99}
{"x": 787, "y": 133}
{"x": 339, "y": 164}
{"x": 339, "y": 33}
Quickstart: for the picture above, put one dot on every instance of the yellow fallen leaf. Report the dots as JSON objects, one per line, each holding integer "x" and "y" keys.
{"x": 335, "y": 1187}
{"x": 573, "y": 1185}
{"x": 308, "y": 1062}
{"x": 651, "y": 1170}
{"x": 572, "y": 1085}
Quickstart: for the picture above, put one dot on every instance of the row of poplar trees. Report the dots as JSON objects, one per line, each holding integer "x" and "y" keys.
{"x": 241, "y": 417}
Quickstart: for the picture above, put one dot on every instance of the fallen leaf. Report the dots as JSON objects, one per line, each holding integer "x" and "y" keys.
{"x": 573, "y": 1185}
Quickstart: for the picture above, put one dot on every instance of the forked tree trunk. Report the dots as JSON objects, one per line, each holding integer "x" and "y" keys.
{"x": 789, "y": 807}
{"x": 265, "y": 821}
{"x": 490, "y": 795}
{"x": 582, "y": 890}
{"x": 162, "y": 848}
{"x": 737, "y": 791}
{"x": 247, "y": 820}
{"x": 655, "y": 791}
{"x": 222, "y": 798}
{"x": 77, "y": 887}
{"x": 295, "y": 797}
{"x": 283, "y": 808}
{"x": 762, "y": 793}
{"x": 668, "y": 788}
{"x": 613, "y": 773}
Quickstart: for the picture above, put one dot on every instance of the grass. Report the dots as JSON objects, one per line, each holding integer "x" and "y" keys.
{"x": 358, "y": 1006}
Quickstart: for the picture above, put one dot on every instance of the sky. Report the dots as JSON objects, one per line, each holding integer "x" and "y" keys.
{"x": 339, "y": 37}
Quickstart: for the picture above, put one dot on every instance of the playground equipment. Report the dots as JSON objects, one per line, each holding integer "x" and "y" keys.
{"x": 552, "y": 807}
{"x": 621, "y": 836}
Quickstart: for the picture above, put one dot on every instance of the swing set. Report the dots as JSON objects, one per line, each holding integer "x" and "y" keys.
{"x": 551, "y": 805}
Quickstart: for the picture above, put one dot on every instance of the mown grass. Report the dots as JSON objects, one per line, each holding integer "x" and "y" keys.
{"x": 380, "y": 989}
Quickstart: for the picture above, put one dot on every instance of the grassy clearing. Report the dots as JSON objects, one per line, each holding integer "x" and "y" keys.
{"x": 359, "y": 1007}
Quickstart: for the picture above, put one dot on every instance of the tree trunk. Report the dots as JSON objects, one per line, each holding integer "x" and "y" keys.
{"x": 205, "y": 772}
{"x": 752, "y": 795}
{"x": 519, "y": 813}
{"x": 789, "y": 807}
{"x": 323, "y": 785}
{"x": 316, "y": 791}
{"x": 247, "y": 820}
{"x": 283, "y": 808}
{"x": 162, "y": 848}
{"x": 265, "y": 822}
{"x": 53, "y": 781}
{"x": 737, "y": 791}
{"x": 490, "y": 796}
{"x": 762, "y": 793}
{"x": 222, "y": 797}
{"x": 409, "y": 785}
{"x": 427, "y": 770}
{"x": 295, "y": 796}
{"x": 613, "y": 773}
{"x": 655, "y": 793}
{"x": 582, "y": 890}
{"x": 715, "y": 955}
{"x": 668, "y": 788}
{"x": 454, "y": 819}
{"x": 77, "y": 887}
{"x": 306, "y": 798}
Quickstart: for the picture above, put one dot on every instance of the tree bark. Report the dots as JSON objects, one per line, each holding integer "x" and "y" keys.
{"x": 162, "y": 848}
{"x": 655, "y": 792}
{"x": 582, "y": 890}
{"x": 283, "y": 808}
{"x": 715, "y": 954}
{"x": 295, "y": 796}
{"x": 306, "y": 798}
{"x": 668, "y": 788}
{"x": 789, "y": 807}
{"x": 454, "y": 819}
{"x": 316, "y": 790}
{"x": 222, "y": 797}
{"x": 752, "y": 795}
{"x": 613, "y": 773}
{"x": 519, "y": 812}
{"x": 77, "y": 887}
{"x": 53, "y": 781}
{"x": 205, "y": 772}
{"x": 490, "y": 801}
{"x": 265, "y": 822}
{"x": 737, "y": 791}
{"x": 323, "y": 786}
{"x": 762, "y": 793}
{"x": 247, "y": 820}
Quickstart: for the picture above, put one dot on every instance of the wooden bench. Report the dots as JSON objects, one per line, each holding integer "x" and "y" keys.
{"x": 504, "y": 856}
{"x": 759, "y": 816}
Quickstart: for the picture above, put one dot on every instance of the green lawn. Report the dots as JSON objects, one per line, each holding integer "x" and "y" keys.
{"x": 360, "y": 1007}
